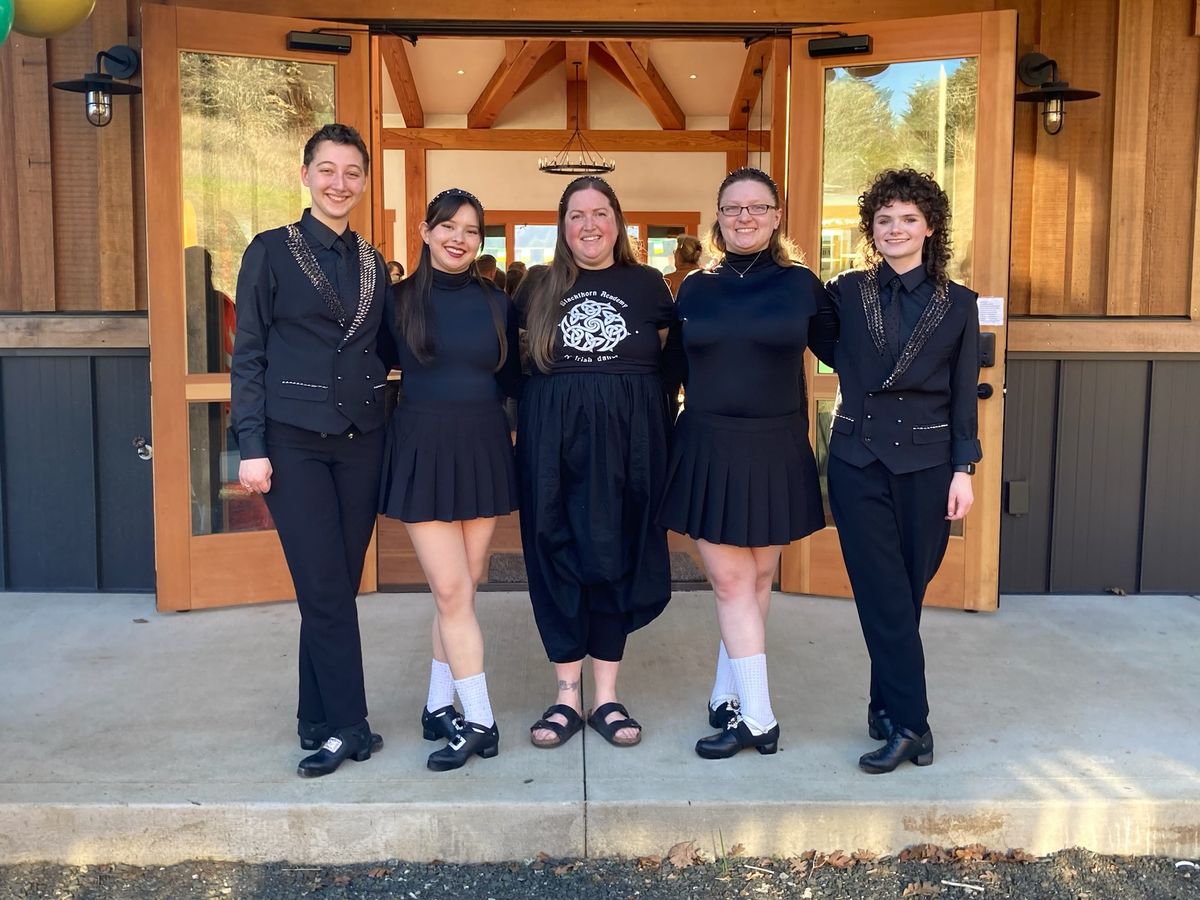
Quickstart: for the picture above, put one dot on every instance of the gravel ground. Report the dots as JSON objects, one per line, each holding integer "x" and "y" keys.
{"x": 685, "y": 873}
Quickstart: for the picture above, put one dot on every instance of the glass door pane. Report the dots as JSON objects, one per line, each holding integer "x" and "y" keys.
{"x": 534, "y": 244}
{"x": 893, "y": 115}
{"x": 244, "y": 124}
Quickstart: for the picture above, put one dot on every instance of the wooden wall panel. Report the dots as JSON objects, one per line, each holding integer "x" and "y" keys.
{"x": 1171, "y": 160}
{"x": 29, "y": 235}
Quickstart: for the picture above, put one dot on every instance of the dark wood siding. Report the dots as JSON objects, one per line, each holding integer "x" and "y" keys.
{"x": 1030, "y": 417}
{"x": 1171, "y": 536}
{"x": 76, "y": 509}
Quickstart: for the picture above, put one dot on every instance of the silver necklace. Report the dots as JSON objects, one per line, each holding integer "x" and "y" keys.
{"x": 742, "y": 273}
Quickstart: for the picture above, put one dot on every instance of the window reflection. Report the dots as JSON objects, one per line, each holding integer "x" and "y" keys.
{"x": 244, "y": 122}
{"x": 915, "y": 114}
{"x": 219, "y": 502}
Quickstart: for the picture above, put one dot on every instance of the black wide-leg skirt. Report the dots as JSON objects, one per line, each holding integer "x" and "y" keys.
{"x": 448, "y": 462}
{"x": 742, "y": 481}
{"x": 591, "y": 455}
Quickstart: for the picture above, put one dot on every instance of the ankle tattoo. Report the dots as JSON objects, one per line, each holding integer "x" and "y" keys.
{"x": 568, "y": 686}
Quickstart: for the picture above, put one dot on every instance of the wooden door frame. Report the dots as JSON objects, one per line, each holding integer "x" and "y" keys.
{"x": 207, "y": 570}
{"x": 990, "y": 36}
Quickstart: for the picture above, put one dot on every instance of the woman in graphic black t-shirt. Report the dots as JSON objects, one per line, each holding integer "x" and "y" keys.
{"x": 592, "y": 453}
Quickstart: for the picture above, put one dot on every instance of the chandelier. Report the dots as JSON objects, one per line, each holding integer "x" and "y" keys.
{"x": 577, "y": 157}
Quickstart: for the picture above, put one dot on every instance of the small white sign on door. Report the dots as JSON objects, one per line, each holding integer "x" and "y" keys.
{"x": 991, "y": 311}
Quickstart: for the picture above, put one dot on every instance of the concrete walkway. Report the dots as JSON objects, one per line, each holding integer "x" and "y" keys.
{"x": 1060, "y": 721}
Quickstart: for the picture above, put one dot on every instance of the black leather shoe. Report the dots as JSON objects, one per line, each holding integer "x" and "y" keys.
{"x": 439, "y": 724}
{"x": 314, "y": 734}
{"x": 879, "y": 724}
{"x": 469, "y": 738}
{"x": 901, "y": 746}
{"x": 719, "y": 715}
{"x": 354, "y": 742}
{"x": 737, "y": 736}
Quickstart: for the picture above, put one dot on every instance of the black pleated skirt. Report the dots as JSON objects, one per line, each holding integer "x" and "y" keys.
{"x": 592, "y": 453}
{"x": 448, "y": 462}
{"x": 744, "y": 482}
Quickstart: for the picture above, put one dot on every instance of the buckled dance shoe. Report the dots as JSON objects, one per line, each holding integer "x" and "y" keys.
{"x": 439, "y": 724}
{"x": 314, "y": 734}
{"x": 719, "y": 715}
{"x": 902, "y": 746}
{"x": 355, "y": 742}
{"x": 470, "y": 738}
{"x": 879, "y": 724}
{"x": 738, "y": 736}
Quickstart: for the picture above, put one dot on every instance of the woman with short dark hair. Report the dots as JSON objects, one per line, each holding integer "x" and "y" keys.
{"x": 307, "y": 386}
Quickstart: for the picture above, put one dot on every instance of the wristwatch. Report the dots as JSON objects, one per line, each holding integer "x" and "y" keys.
{"x": 969, "y": 468}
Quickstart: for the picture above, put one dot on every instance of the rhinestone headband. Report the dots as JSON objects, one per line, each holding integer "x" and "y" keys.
{"x": 455, "y": 192}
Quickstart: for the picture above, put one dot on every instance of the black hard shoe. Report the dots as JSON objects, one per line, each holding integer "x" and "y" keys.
{"x": 469, "y": 738}
{"x": 879, "y": 724}
{"x": 354, "y": 742}
{"x": 737, "y": 736}
{"x": 903, "y": 745}
{"x": 719, "y": 715}
{"x": 314, "y": 734}
{"x": 439, "y": 724}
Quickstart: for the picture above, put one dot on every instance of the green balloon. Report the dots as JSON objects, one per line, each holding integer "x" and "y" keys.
{"x": 6, "y": 19}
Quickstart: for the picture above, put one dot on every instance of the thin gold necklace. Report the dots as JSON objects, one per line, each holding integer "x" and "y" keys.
{"x": 742, "y": 273}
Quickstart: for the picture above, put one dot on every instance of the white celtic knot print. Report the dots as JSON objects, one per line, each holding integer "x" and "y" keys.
{"x": 593, "y": 326}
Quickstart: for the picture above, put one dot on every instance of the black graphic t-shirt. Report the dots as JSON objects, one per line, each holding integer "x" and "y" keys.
{"x": 610, "y": 319}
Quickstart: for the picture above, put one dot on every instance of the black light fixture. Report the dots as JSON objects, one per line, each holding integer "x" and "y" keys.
{"x": 587, "y": 160}
{"x": 120, "y": 61}
{"x": 1039, "y": 70}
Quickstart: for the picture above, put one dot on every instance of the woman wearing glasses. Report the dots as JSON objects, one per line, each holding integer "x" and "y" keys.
{"x": 742, "y": 479}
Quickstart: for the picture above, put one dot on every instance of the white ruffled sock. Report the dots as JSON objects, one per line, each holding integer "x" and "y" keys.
{"x": 441, "y": 686}
{"x": 724, "y": 685}
{"x": 750, "y": 672}
{"x": 477, "y": 706}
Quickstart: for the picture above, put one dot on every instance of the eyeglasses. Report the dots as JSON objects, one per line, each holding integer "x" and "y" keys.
{"x": 756, "y": 209}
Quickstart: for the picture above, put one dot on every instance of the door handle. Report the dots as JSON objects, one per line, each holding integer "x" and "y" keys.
{"x": 143, "y": 449}
{"x": 985, "y": 390}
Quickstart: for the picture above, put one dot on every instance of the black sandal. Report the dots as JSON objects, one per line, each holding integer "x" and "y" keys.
{"x": 562, "y": 733}
{"x": 608, "y": 730}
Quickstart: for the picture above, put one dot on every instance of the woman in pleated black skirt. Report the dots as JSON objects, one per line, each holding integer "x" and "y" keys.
{"x": 448, "y": 469}
{"x": 592, "y": 453}
{"x": 742, "y": 479}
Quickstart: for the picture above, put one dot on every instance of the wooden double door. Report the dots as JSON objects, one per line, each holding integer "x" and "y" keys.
{"x": 228, "y": 108}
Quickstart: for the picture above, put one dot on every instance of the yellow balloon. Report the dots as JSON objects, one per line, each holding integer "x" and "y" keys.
{"x": 49, "y": 18}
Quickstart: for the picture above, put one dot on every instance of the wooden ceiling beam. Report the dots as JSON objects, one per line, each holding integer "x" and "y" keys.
{"x": 601, "y": 58}
{"x": 550, "y": 61}
{"x": 543, "y": 139}
{"x": 576, "y": 60}
{"x": 395, "y": 60}
{"x": 648, "y": 83}
{"x": 506, "y": 83}
{"x": 749, "y": 86}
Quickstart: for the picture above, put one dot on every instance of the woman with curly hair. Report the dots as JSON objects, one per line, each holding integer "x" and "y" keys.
{"x": 904, "y": 442}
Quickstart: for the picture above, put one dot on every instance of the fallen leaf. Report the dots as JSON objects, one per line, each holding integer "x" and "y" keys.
{"x": 649, "y": 862}
{"x": 379, "y": 872}
{"x": 543, "y": 857}
{"x": 1116, "y": 591}
{"x": 342, "y": 880}
{"x": 562, "y": 870}
{"x": 971, "y": 851}
{"x": 840, "y": 860}
{"x": 683, "y": 854}
{"x": 1020, "y": 856}
{"x": 921, "y": 889}
{"x": 737, "y": 849}
{"x": 764, "y": 860}
{"x": 808, "y": 854}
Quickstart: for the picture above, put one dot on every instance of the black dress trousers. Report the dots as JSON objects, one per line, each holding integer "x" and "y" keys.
{"x": 893, "y": 532}
{"x": 324, "y": 492}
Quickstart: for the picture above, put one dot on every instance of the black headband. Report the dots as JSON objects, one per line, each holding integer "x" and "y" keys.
{"x": 456, "y": 192}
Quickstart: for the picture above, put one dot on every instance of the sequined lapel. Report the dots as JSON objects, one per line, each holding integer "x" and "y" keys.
{"x": 869, "y": 289}
{"x": 307, "y": 261}
{"x": 935, "y": 311}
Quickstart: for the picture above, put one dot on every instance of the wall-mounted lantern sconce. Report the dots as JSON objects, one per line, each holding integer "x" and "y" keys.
{"x": 1039, "y": 70}
{"x": 98, "y": 87}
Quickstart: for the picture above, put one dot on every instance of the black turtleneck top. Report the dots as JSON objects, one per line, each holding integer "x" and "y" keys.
{"x": 465, "y": 346}
{"x": 743, "y": 327}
